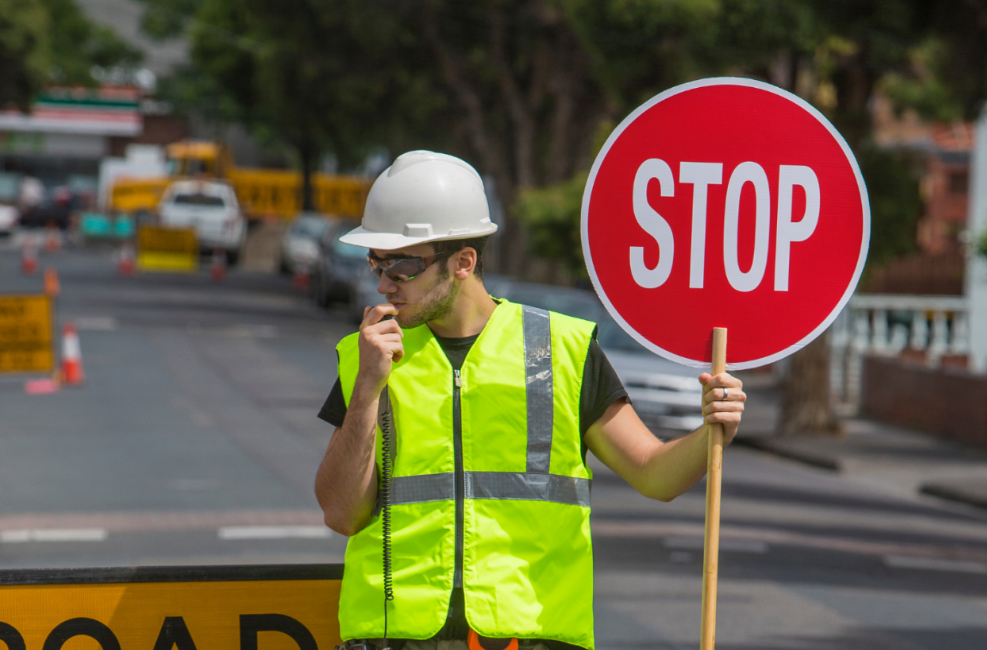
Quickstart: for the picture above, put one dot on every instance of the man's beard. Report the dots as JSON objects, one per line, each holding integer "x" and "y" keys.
{"x": 436, "y": 304}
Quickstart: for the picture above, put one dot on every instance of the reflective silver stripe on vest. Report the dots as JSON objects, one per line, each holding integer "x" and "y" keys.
{"x": 492, "y": 485}
{"x": 538, "y": 384}
{"x": 423, "y": 487}
{"x": 528, "y": 487}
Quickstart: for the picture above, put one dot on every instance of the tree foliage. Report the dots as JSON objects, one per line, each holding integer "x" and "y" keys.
{"x": 52, "y": 41}
{"x": 895, "y": 204}
{"x": 25, "y": 55}
{"x": 324, "y": 77}
{"x": 551, "y": 215}
{"x": 78, "y": 45}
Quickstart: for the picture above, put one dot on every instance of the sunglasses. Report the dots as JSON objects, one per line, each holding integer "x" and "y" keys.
{"x": 402, "y": 269}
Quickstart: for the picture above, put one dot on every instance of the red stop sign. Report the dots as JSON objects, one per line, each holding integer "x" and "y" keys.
{"x": 725, "y": 203}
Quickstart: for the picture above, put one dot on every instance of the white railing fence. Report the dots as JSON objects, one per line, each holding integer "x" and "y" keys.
{"x": 890, "y": 324}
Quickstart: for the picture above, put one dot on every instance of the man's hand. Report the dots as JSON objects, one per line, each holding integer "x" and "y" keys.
{"x": 346, "y": 484}
{"x": 723, "y": 402}
{"x": 380, "y": 346}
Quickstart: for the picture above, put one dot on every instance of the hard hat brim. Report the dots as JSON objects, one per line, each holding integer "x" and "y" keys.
{"x": 388, "y": 241}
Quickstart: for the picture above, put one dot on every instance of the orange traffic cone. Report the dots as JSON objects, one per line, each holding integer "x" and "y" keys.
{"x": 217, "y": 268}
{"x": 52, "y": 286}
{"x": 127, "y": 259}
{"x": 72, "y": 374}
{"x": 29, "y": 256}
{"x": 302, "y": 277}
{"x": 52, "y": 241}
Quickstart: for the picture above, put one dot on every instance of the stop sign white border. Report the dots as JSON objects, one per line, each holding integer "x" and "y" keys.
{"x": 671, "y": 92}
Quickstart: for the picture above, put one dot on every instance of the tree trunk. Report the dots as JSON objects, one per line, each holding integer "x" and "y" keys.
{"x": 806, "y": 405}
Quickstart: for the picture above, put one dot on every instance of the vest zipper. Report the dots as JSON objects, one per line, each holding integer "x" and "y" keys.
{"x": 457, "y": 438}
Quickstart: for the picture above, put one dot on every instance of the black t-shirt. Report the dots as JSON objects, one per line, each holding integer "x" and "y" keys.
{"x": 601, "y": 387}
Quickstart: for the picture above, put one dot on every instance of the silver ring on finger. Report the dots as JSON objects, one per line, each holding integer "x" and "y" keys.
{"x": 726, "y": 394}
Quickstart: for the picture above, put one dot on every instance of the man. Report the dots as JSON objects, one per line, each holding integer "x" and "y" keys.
{"x": 494, "y": 406}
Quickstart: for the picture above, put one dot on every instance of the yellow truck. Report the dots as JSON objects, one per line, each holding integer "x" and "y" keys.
{"x": 261, "y": 192}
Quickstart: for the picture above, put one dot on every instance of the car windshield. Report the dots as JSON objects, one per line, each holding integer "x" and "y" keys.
{"x": 309, "y": 227}
{"x": 348, "y": 251}
{"x": 198, "y": 199}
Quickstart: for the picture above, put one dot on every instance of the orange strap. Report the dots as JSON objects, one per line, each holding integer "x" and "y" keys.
{"x": 477, "y": 642}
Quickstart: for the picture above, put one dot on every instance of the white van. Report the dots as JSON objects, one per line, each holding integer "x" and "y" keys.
{"x": 211, "y": 208}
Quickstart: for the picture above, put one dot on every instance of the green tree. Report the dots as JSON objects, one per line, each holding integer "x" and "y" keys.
{"x": 77, "y": 45}
{"x": 323, "y": 77}
{"x": 25, "y": 55}
{"x": 52, "y": 41}
{"x": 551, "y": 215}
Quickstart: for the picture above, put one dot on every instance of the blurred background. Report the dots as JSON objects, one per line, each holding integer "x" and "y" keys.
{"x": 183, "y": 427}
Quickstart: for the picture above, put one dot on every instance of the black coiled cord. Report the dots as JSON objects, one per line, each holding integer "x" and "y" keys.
{"x": 386, "y": 467}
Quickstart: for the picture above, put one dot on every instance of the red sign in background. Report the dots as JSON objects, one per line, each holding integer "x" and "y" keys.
{"x": 733, "y": 123}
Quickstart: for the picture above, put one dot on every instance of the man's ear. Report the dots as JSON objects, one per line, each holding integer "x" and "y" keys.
{"x": 465, "y": 263}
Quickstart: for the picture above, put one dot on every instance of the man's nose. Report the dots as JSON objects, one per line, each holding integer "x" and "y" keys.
{"x": 386, "y": 285}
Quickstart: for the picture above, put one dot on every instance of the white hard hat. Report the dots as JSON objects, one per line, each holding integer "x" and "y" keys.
{"x": 422, "y": 197}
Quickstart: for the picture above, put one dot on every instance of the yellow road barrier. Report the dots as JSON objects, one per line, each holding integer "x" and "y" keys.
{"x": 287, "y": 607}
{"x": 26, "y": 334}
{"x": 167, "y": 249}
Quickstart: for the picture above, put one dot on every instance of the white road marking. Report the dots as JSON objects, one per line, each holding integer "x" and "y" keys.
{"x": 274, "y": 532}
{"x": 933, "y": 564}
{"x": 733, "y": 545}
{"x": 94, "y": 323}
{"x": 53, "y": 535}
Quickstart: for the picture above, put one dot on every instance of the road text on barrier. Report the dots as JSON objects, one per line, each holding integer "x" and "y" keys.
{"x": 287, "y": 607}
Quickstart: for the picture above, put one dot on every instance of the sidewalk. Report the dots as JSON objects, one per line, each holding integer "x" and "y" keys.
{"x": 902, "y": 461}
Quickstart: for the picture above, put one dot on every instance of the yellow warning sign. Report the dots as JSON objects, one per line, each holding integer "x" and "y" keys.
{"x": 167, "y": 249}
{"x": 174, "y": 608}
{"x": 25, "y": 334}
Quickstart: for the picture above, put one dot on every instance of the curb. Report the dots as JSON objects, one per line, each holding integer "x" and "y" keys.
{"x": 783, "y": 451}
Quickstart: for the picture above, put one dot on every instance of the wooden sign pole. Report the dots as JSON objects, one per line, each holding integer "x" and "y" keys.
{"x": 713, "y": 481}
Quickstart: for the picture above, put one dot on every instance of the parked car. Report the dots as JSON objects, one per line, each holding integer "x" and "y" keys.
{"x": 664, "y": 393}
{"x": 54, "y": 209}
{"x": 300, "y": 244}
{"x": 339, "y": 267}
{"x": 212, "y": 209}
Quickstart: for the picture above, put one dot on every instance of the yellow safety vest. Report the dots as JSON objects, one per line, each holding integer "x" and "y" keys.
{"x": 488, "y": 466}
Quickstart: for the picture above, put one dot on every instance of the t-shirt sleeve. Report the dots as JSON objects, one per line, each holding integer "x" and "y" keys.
{"x": 601, "y": 387}
{"x": 334, "y": 410}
